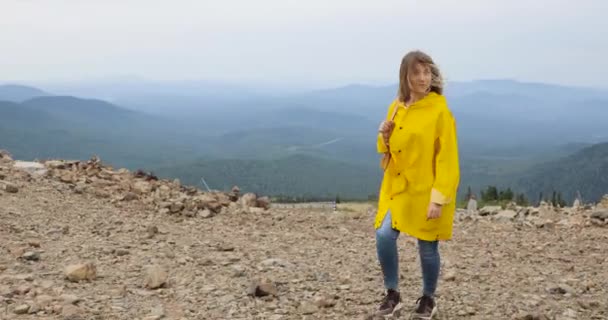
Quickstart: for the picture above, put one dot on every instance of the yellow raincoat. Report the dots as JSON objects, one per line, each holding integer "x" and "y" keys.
{"x": 423, "y": 168}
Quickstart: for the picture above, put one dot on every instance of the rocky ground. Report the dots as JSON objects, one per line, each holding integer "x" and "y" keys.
{"x": 93, "y": 246}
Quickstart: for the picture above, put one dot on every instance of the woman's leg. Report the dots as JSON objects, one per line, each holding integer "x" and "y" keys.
{"x": 430, "y": 262}
{"x": 386, "y": 247}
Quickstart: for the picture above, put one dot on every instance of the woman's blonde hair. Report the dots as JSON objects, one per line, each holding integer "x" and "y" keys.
{"x": 407, "y": 62}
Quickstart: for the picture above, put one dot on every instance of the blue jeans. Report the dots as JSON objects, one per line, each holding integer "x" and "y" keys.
{"x": 386, "y": 247}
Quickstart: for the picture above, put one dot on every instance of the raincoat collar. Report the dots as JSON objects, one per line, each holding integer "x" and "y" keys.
{"x": 429, "y": 99}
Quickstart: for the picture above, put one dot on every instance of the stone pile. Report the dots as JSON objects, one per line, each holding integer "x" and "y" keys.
{"x": 168, "y": 197}
{"x": 542, "y": 216}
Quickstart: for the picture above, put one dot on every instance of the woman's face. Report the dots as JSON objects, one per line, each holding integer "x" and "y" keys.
{"x": 419, "y": 77}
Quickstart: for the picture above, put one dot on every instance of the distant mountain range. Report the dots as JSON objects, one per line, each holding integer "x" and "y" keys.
{"x": 505, "y": 129}
{"x": 19, "y": 93}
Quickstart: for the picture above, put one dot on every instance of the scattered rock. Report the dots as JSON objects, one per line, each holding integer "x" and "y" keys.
{"x": 569, "y": 313}
{"x": 5, "y": 156}
{"x": 600, "y": 215}
{"x": 561, "y": 289}
{"x": 147, "y": 176}
{"x": 205, "y": 213}
{"x": 121, "y": 252}
{"x": 34, "y": 243}
{"x": 263, "y": 289}
{"x": 22, "y": 290}
{"x": 142, "y": 187}
{"x": 275, "y": 262}
{"x": 249, "y": 200}
{"x": 80, "y": 272}
{"x": 21, "y": 309}
{"x": 129, "y": 196}
{"x": 324, "y": 302}
{"x": 17, "y": 251}
{"x": 506, "y": 215}
{"x": 34, "y": 308}
{"x": 489, "y": 210}
{"x": 67, "y": 178}
{"x": 308, "y": 308}
{"x": 470, "y": 311}
{"x": 256, "y": 210}
{"x": 225, "y": 247}
{"x": 156, "y": 313}
{"x": 70, "y": 299}
{"x": 55, "y": 164}
{"x": 31, "y": 256}
{"x": 71, "y": 312}
{"x": 263, "y": 202}
{"x": 176, "y": 207}
{"x": 234, "y": 194}
{"x": 10, "y": 188}
{"x": 33, "y": 168}
{"x": 101, "y": 194}
{"x": 80, "y": 188}
{"x": 207, "y": 263}
{"x": 603, "y": 202}
{"x": 155, "y": 277}
{"x": 44, "y": 301}
{"x": 238, "y": 271}
{"x": 450, "y": 276}
{"x": 523, "y": 212}
{"x": 152, "y": 231}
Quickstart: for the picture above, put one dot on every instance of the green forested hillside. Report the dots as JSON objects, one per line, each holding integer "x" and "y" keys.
{"x": 295, "y": 176}
{"x": 585, "y": 171}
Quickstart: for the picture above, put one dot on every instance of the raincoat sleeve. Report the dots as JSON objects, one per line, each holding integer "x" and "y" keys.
{"x": 447, "y": 170}
{"x": 380, "y": 146}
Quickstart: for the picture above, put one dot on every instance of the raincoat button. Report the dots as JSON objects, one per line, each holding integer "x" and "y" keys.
{"x": 400, "y": 128}
{"x": 399, "y": 151}
{"x": 398, "y": 173}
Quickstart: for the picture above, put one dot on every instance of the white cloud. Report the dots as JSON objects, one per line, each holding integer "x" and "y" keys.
{"x": 326, "y": 42}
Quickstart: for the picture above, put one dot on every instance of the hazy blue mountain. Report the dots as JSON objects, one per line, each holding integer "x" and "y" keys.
{"x": 69, "y": 127}
{"x": 369, "y": 101}
{"x": 504, "y": 127}
{"x": 81, "y": 111}
{"x": 556, "y": 93}
{"x": 15, "y": 115}
{"x": 19, "y": 93}
{"x": 511, "y": 109}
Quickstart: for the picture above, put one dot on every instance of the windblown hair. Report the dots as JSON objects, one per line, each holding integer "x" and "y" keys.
{"x": 407, "y": 63}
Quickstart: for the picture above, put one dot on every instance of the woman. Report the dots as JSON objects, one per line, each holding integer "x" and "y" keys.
{"x": 421, "y": 177}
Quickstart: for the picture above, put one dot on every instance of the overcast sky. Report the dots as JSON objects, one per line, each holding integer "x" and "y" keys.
{"x": 321, "y": 42}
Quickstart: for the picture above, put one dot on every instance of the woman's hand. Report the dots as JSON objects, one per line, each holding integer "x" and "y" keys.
{"x": 386, "y": 127}
{"x": 434, "y": 211}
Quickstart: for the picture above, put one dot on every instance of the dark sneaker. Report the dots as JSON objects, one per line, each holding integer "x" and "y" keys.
{"x": 426, "y": 309}
{"x": 390, "y": 301}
